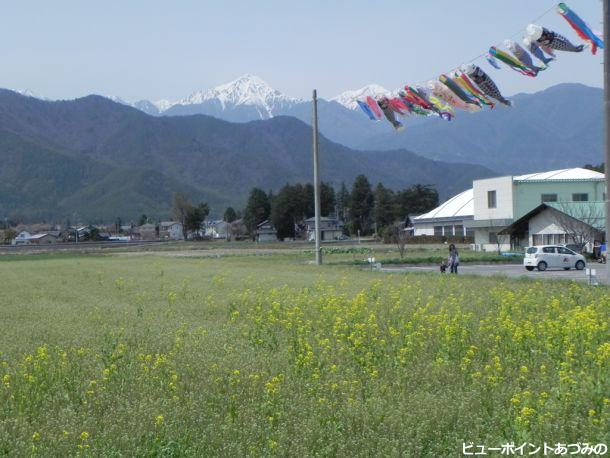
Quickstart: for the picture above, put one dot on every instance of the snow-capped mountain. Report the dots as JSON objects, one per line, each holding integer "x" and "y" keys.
{"x": 348, "y": 98}
{"x": 247, "y": 93}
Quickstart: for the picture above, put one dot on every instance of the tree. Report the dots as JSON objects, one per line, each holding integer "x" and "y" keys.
{"x": 289, "y": 207}
{"x": 196, "y": 216}
{"x": 230, "y": 215}
{"x": 181, "y": 208}
{"x": 343, "y": 202}
{"x": 257, "y": 210}
{"x": 399, "y": 237}
{"x": 9, "y": 234}
{"x": 361, "y": 204}
{"x": 596, "y": 168}
{"x": 327, "y": 199}
{"x": 582, "y": 222}
{"x": 416, "y": 200}
{"x": 143, "y": 220}
{"x": 384, "y": 211}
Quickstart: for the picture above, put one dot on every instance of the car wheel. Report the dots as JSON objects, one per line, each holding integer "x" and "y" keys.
{"x": 529, "y": 268}
{"x": 542, "y": 266}
{"x": 580, "y": 265}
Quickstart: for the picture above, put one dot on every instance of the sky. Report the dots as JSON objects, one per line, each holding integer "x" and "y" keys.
{"x": 159, "y": 49}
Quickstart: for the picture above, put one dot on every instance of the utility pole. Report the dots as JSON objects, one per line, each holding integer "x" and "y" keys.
{"x": 607, "y": 123}
{"x": 316, "y": 178}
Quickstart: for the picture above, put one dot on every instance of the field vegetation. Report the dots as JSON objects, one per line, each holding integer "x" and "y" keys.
{"x": 156, "y": 355}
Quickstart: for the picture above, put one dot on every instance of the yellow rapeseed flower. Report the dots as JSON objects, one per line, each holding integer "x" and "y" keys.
{"x": 159, "y": 420}
{"x": 36, "y": 436}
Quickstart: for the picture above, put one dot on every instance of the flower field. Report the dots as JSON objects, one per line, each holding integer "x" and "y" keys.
{"x": 154, "y": 356}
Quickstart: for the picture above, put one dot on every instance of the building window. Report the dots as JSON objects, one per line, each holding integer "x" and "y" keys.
{"x": 491, "y": 199}
{"x": 470, "y": 232}
{"x": 438, "y": 231}
{"x": 448, "y": 231}
{"x": 580, "y": 197}
{"x": 493, "y": 237}
{"x": 548, "y": 198}
{"x": 459, "y": 230}
{"x": 537, "y": 239}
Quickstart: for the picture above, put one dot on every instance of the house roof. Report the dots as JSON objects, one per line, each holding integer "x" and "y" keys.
{"x": 458, "y": 206}
{"x": 40, "y": 236}
{"x": 574, "y": 174}
{"x": 591, "y": 213}
{"x": 168, "y": 223}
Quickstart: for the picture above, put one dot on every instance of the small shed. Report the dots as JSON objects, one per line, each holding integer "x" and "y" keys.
{"x": 265, "y": 232}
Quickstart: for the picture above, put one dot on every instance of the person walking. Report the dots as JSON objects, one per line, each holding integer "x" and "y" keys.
{"x": 453, "y": 261}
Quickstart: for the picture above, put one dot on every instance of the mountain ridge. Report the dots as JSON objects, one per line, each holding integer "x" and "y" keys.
{"x": 214, "y": 159}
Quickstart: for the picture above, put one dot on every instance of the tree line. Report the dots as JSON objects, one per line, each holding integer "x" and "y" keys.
{"x": 364, "y": 210}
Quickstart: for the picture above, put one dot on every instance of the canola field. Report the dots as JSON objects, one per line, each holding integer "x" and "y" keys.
{"x": 271, "y": 356}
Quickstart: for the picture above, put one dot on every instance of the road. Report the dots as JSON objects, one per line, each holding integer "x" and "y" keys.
{"x": 509, "y": 270}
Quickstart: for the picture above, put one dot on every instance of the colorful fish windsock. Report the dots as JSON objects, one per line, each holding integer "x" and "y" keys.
{"x": 484, "y": 82}
{"x": 370, "y": 101}
{"x": 398, "y": 106}
{"x": 367, "y": 110}
{"x": 455, "y": 88}
{"x": 580, "y": 27}
{"x": 384, "y": 104}
{"x": 444, "y": 93}
{"x": 419, "y": 98}
{"x": 511, "y": 61}
{"x": 465, "y": 83}
{"x": 522, "y": 55}
{"x": 492, "y": 61}
{"x": 532, "y": 47}
{"x": 545, "y": 37}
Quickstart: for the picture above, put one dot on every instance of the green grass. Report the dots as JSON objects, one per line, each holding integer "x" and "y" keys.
{"x": 161, "y": 356}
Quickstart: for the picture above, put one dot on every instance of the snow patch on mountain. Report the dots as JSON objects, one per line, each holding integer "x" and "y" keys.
{"x": 247, "y": 90}
{"x": 348, "y": 98}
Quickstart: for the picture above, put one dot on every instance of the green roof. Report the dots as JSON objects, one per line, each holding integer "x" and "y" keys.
{"x": 591, "y": 213}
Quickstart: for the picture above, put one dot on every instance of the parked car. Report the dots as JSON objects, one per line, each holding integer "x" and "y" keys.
{"x": 552, "y": 257}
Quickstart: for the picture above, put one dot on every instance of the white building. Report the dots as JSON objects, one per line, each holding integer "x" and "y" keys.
{"x": 171, "y": 230}
{"x": 448, "y": 219}
{"x": 494, "y": 203}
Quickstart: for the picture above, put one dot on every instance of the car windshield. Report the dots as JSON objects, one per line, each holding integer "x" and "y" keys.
{"x": 532, "y": 250}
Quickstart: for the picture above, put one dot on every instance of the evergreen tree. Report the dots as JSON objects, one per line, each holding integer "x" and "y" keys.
{"x": 196, "y": 216}
{"x": 343, "y": 203}
{"x": 257, "y": 210}
{"x": 361, "y": 204}
{"x": 230, "y": 215}
{"x": 415, "y": 200}
{"x": 287, "y": 210}
{"x": 385, "y": 207}
{"x": 327, "y": 199}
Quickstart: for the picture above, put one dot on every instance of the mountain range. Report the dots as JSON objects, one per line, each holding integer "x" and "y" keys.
{"x": 95, "y": 159}
{"x": 555, "y": 128}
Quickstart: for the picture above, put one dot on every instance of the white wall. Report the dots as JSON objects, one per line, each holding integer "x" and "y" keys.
{"x": 504, "y": 198}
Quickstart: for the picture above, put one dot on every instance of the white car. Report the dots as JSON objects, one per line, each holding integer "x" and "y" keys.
{"x": 552, "y": 257}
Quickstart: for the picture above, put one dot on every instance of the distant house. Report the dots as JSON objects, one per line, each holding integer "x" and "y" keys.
{"x": 265, "y": 232}
{"x": 23, "y": 238}
{"x": 147, "y": 231}
{"x": 42, "y": 239}
{"x": 170, "y": 230}
{"x": 217, "y": 229}
{"x": 330, "y": 228}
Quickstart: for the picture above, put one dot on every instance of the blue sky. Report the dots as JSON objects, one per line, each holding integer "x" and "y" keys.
{"x": 157, "y": 49}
